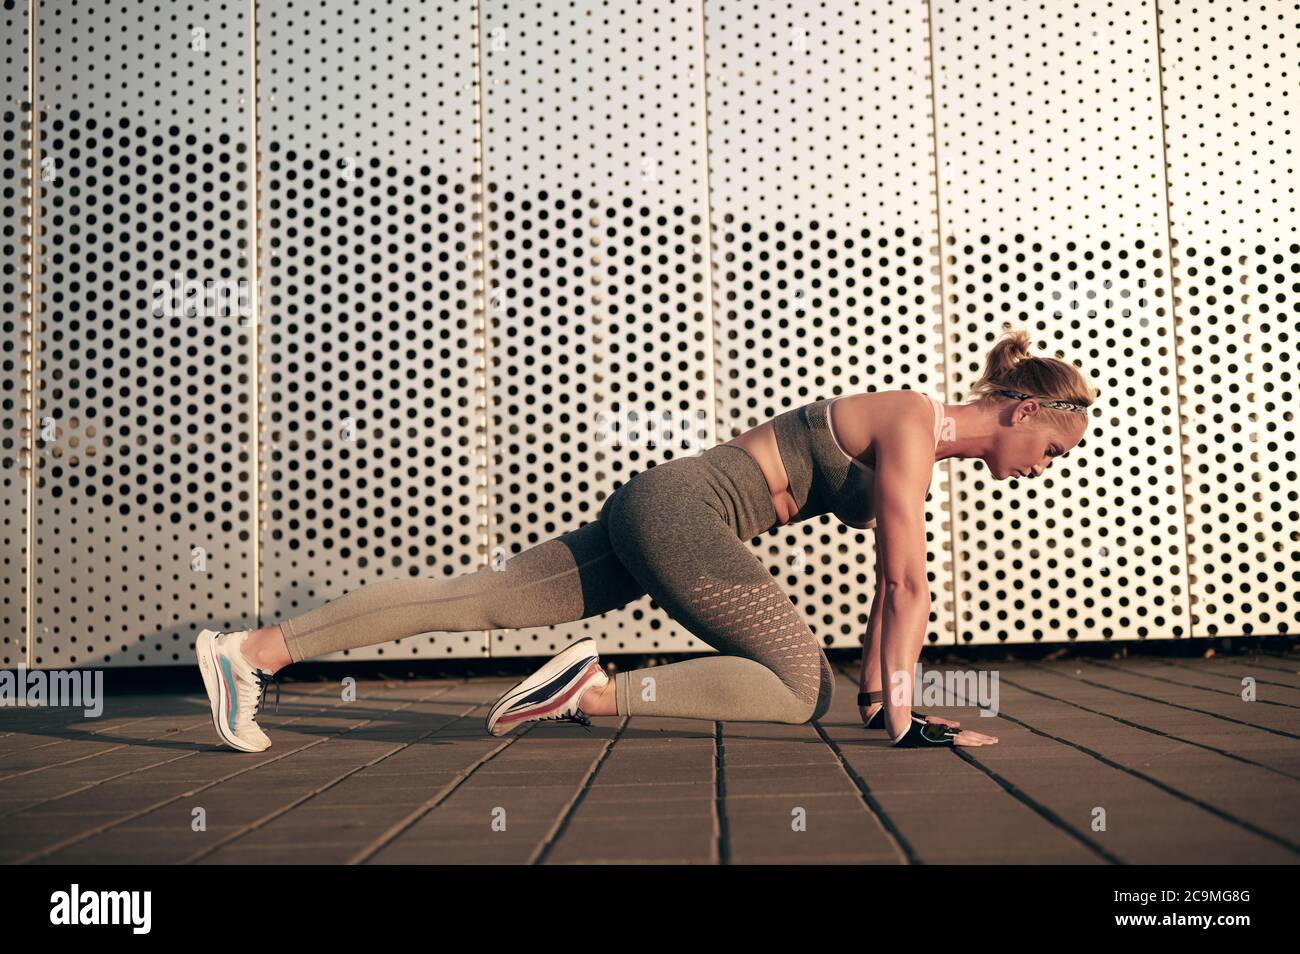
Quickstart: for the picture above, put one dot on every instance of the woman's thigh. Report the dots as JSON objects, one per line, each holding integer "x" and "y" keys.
{"x": 691, "y": 562}
{"x": 566, "y": 578}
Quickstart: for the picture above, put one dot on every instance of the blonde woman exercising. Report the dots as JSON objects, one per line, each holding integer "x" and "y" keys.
{"x": 678, "y": 531}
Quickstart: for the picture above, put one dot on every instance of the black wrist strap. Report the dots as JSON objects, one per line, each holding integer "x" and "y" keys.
{"x": 920, "y": 735}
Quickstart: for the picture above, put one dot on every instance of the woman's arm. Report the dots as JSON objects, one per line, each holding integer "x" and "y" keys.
{"x": 869, "y": 676}
{"x": 904, "y": 467}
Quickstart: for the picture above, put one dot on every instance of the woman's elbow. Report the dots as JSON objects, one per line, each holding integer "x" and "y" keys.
{"x": 906, "y": 588}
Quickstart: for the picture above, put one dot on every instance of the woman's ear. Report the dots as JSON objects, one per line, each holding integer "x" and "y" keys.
{"x": 1026, "y": 411}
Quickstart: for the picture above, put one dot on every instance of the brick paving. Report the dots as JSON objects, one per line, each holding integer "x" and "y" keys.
{"x": 1184, "y": 770}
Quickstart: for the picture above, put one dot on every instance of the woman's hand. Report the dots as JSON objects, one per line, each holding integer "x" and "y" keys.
{"x": 936, "y": 720}
{"x": 964, "y": 737}
{"x": 967, "y": 737}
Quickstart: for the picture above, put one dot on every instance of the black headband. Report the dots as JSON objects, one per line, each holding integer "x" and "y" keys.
{"x": 1058, "y": 405}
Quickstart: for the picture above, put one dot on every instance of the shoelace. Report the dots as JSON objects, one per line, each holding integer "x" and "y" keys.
{"x": 578, "y": 716}
{"x": 264, "y": 679}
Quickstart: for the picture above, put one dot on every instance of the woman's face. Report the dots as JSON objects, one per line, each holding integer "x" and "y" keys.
{"x": 1028, "y": 447}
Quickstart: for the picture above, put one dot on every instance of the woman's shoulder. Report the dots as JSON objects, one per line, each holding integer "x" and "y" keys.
{"x": 904, "y": 401}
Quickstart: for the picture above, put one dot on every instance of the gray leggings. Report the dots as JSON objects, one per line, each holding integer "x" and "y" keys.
{"x": 676, "y": 532}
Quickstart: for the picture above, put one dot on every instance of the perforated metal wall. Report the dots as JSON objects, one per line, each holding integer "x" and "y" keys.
{"x": 468, "y": 245}
{"x": 597, "y": 253}
{"x": 1230, "y": 99}
{"x": 826, "y": 258}
{"x": 372, "y": 393}
{"x": 1050, "y": 162}
{"x": 15, "y": 329}
{"x": 144, "y": 498}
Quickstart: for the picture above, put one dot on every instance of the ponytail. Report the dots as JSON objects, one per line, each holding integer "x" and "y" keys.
{"x": 1010, "y": 367}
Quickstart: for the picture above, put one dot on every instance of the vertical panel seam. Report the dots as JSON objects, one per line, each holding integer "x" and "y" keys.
{"x": 943, "y": 320}
{"x": 32, "y": 258}
{"x": 1178, "y": 392}
{"x": 708, "y": 230}
{"x": 256, "y": 331}
{"x": 485, "y": 501}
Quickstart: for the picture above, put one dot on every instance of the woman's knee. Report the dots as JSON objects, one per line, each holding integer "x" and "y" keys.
{"x": 802, "y": 709}
{"x": 820, "y": 704}
{"x": 823, "y": 702}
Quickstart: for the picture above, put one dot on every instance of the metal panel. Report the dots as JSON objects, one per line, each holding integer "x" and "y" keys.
{"x": 480, "y": 246}
{"x": 1051, "y": 193}
{"x": 370, "y": 287}
{"x": 822, "y": 187}
{"x": 15, "y": 328}
{"x": 144, "y": 498}
{"x": 597, "y": 263}
{"x": 1230, "y": 104}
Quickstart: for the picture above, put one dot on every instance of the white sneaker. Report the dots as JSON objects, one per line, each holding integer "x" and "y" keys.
{"x": 552, "y": 692}
{"x": 235, "y": 689}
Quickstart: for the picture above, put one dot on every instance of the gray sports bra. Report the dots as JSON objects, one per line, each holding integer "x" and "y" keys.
{"x": 852, "y": 503}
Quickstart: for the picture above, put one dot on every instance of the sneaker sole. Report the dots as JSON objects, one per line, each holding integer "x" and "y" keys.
{"x": 214, "y": 681}
{"x": 554, "y": 667}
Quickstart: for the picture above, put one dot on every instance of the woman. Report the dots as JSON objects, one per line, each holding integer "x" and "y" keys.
{"x": 677, "y": 532}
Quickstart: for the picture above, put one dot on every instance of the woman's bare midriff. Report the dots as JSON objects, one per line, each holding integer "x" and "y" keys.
{"x": 850, "y": 424}
{"x": 760, "y": 443}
